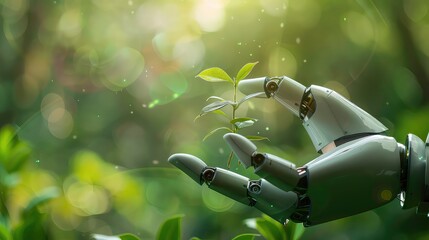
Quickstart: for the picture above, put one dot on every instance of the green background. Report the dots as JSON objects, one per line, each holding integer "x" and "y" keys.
{"x": 104, "y": 91}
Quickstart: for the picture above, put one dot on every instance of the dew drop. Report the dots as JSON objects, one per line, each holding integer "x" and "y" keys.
{"x": 272, "y": 205}
{"x": 345, "y": 19}
{"x": 282, "y": 25}
{"x": 239, "y": 44}
{"x": 251, "y": 54}
{"x": 305, "y": 60}
{"x": 259, "y": 46}
{"x": 267, "y": 128}
{"x": 74, "y": 137}
{"x": 298, "y": 40}
{"x": 132, "y": 112}
{"x": 221, "y": 151}
{"x": 37, "y": 161}
{"x": 283, "y": 59}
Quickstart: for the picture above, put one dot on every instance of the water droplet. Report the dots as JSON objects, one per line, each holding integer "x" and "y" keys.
{"x": 132, "y": 112}
{"x": 239, "y": 44}
{"x": 144, "y": 105}
{"x": 298, "y": 40}
{"x": 251, "y": 54}
{"x": 129, "y": 105}
{"x": 83, "y": 90}
{"x": 221, "y": 151}
{"x": 124, "y": 80}
{"x": 98, "y": 115}
{"x": 267, "y": 128}
{"x": 74, "y": 137}
{"x": 283, "y": 59}
{"x": 259, "y": 46}
{"x": 37, "y": 161}
{"x": 259, "y": 133}
{"x": 345, "y": 19}
{"x": 272, "y": 205}
{"x": 305, "y": 60}
{"x": 52, "y": 80}
{"x": 262, "y": 10}
{"x": 282, "y": 25}
{"x": 116, "y": 167}
{"x": 175, "y": 95}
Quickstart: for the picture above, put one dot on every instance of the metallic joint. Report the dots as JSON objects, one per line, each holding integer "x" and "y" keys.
{"x": 271, "y": 85}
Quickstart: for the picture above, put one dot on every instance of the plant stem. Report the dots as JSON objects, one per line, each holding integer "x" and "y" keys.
{"x": 234, "y": 108}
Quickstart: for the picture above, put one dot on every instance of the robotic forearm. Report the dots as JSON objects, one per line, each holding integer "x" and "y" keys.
{"x": 359, "y": 169}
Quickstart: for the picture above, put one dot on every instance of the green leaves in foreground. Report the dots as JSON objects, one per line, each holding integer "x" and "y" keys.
{"x": 273, "y": 230}
{"x": 170, "y": 229}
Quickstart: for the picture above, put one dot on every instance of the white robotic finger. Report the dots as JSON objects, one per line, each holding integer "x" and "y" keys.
{"x": 261, "y": 194}
{"x": 189, "y": 164}
{"x": 273, "y": 201}
{"x": 278, "y": 171}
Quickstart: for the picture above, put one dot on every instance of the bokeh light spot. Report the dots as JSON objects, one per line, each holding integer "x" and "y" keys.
{"x": 216, "y": 201}
{"x": 125, "y": 63}
{"x": 70, "y": 23}
{"x": 210, "y": 15}
{"x": 60, "y": 123}
{"x": 168, "y": 87}
{"x": 282, "y": 62}
{"x": 358, "y": 28}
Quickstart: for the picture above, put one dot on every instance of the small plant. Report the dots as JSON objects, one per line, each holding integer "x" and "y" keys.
{"x": 217, "y": 74}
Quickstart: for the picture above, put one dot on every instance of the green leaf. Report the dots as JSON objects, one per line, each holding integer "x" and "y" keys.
{"x": 128, "y": 236}
{"x": 215, "y": 106}
{"x": 170, "y": 229}
{"x": 104, "y": 237}
{"x": 270, "y": 228}
{"x": 257, "y": 138}
{"x": 215, "y": 74}
{"x": 215, "y": 130}
{"x": 244, "y": 71}
{"x": 243, "y": 122}
{"x": 4, "y": 229}
{"x": 247, "y": 97}
{"x": 246, "y": 236}
{"x": 45, "y": 196}
{"x": 217, "y": 112}
{"x": 124, "y": 236}
{"x": 294, "y": 231}
{"x": 215, "y": 97}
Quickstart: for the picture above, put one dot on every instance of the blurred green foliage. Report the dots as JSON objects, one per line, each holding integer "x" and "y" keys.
{"x": 102, "y": 92}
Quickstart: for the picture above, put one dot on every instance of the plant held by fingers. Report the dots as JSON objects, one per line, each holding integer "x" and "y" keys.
{"x": 235, "y": 123}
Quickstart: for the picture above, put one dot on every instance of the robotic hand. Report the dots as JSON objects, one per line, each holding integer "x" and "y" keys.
{"x": 359, "y": 168}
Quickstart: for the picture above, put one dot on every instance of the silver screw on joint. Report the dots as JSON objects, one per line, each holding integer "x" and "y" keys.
{"x": 272, "y": 86}
{"x": 254, "y": 187}
{"x": 208, "y": 175}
